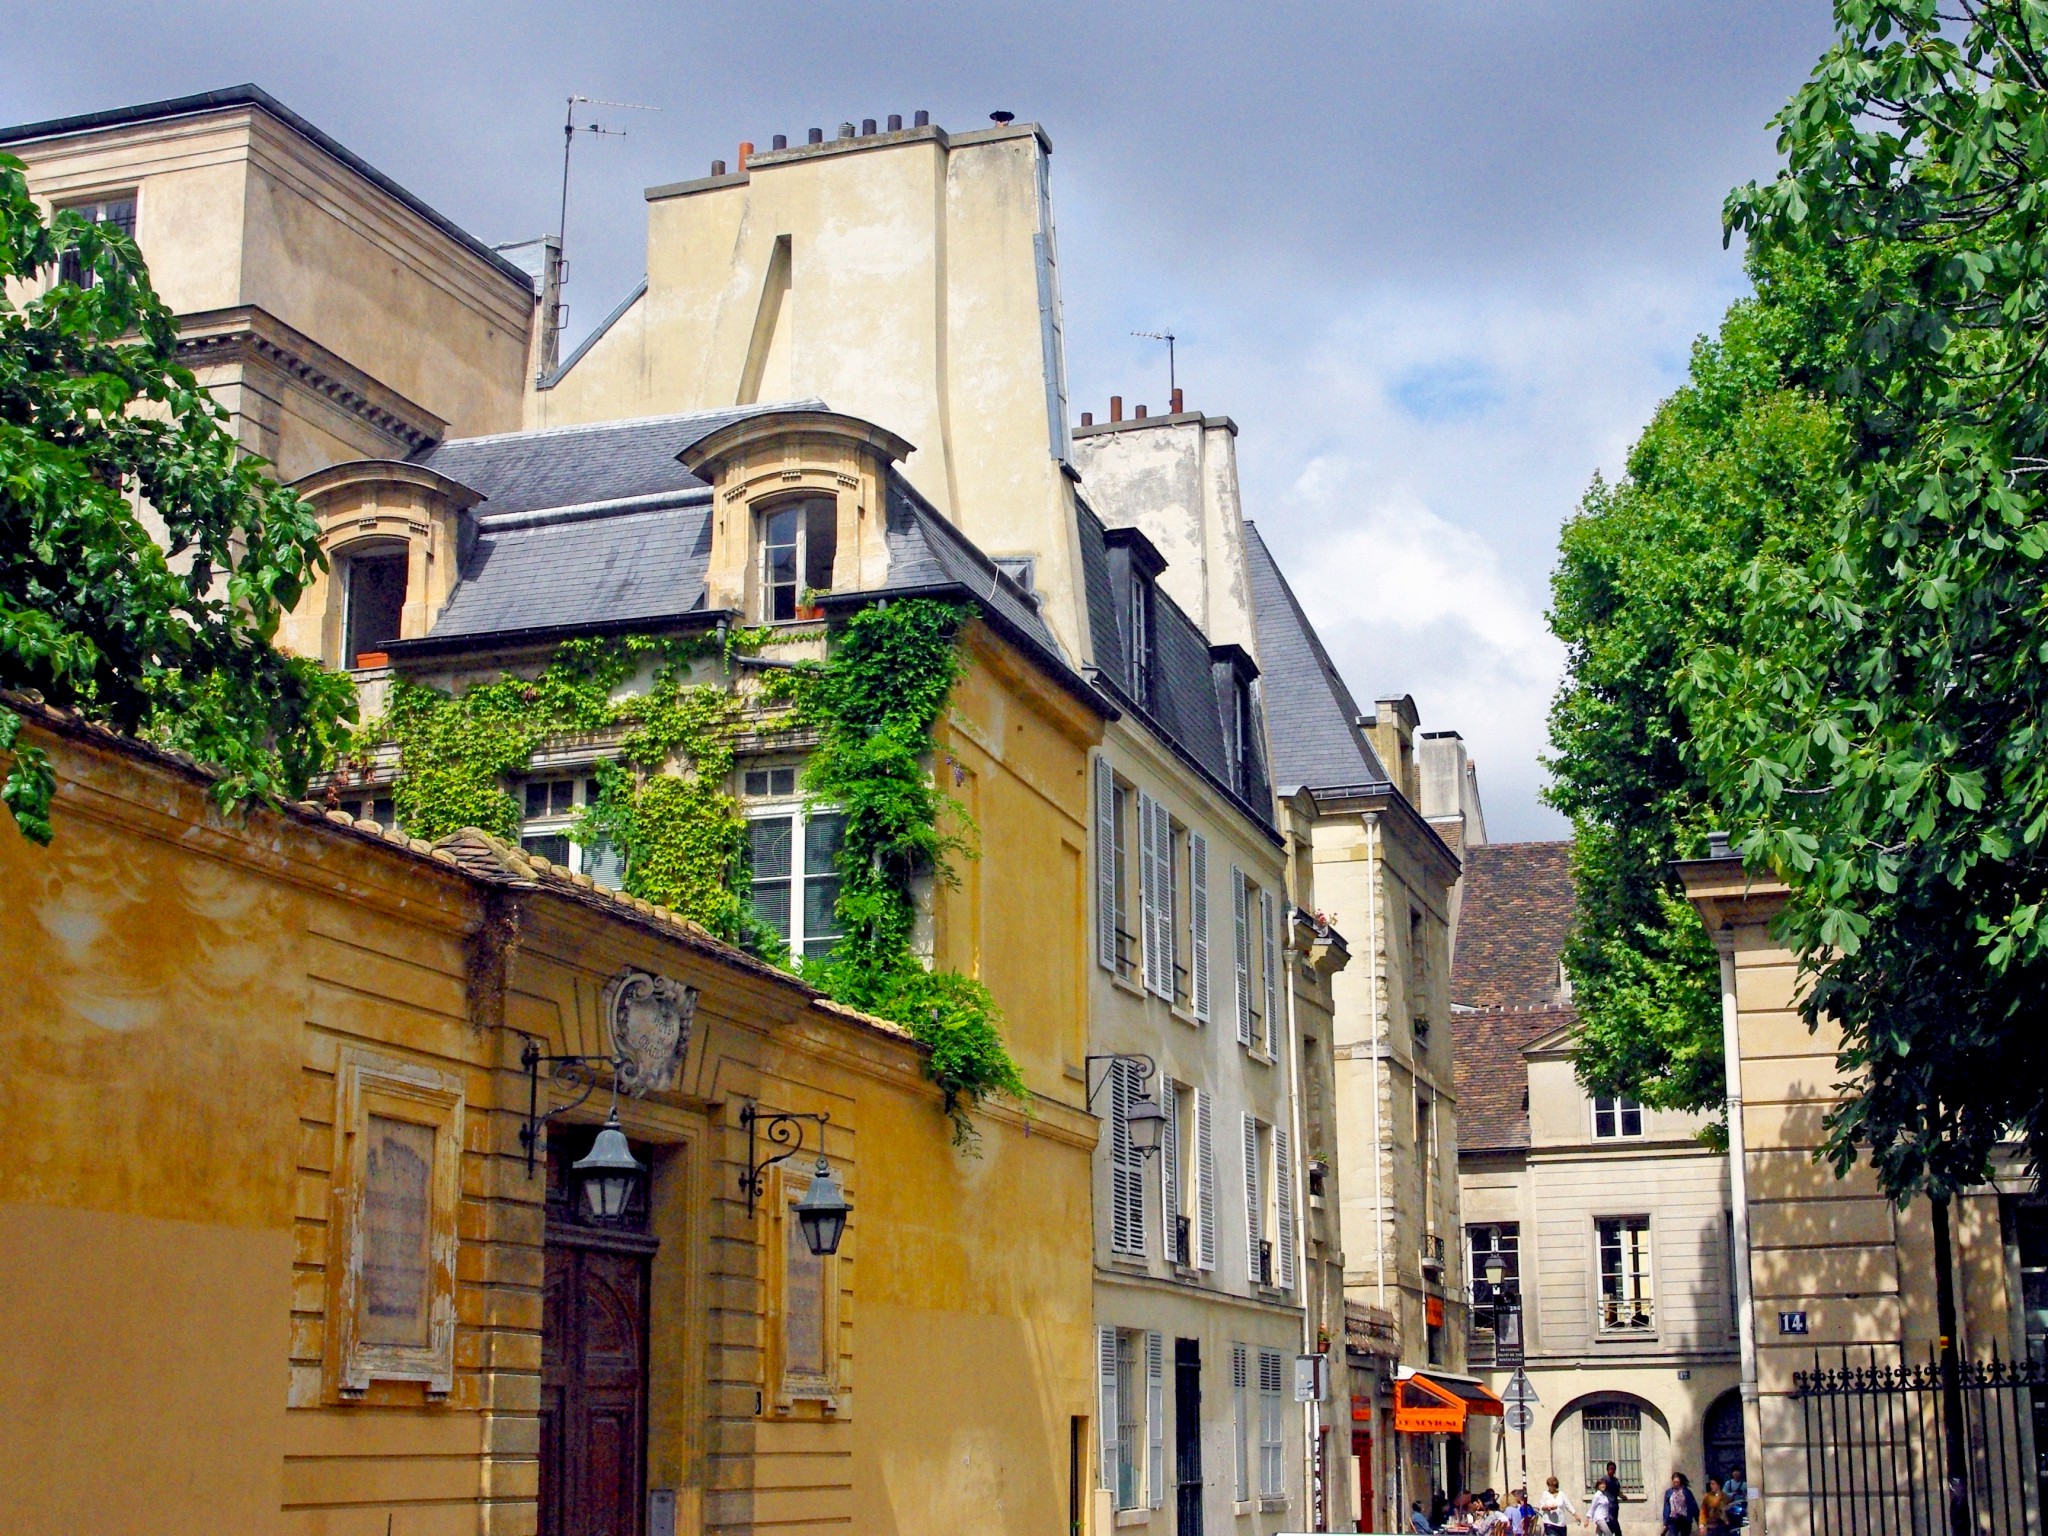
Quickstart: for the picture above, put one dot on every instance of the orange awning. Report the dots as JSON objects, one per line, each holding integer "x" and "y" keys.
{"x": 1439, "y": 1405}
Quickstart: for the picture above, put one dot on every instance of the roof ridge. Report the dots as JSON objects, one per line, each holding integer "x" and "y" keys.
{"x": 571, "y": 427}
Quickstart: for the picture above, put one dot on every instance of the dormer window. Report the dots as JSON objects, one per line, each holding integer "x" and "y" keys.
{"x": 1134, "y": 569}
{"x": 1243, "y": 736}
{"x": 798, "y": 543}
{"x": 375, "y": 598}
{"x": 1139, "y": 629}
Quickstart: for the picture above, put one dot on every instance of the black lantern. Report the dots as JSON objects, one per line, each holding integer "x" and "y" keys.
{"x": 822, "y": 1212}
{"x": 1144, "y": 1123}
{"x": 609, "y": 1175}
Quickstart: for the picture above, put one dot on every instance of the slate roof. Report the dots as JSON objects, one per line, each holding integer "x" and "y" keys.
{"x": 1310, "y": 714}
{"x": 1513, "y": 918}
{"x": 1184, "y": 711}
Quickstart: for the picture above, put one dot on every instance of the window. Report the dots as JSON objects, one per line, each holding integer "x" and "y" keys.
{"x": 1138, "y": 641}
{"x": 803, "y": 1299}
{"x": 1624, "y": 1250}
{"x": 1482, "y": 1241}
{"x": 1198, "y": 926}
{"x": 550, "y": 809}
{"x": 116, "y": 211}
{"x": 1418, "y": 976}
{"x": 1249, "y": 904}
{"x": 1126, "y": 1162}
{"x": 798, "y": 544}
{"x": 770, "y": 783}
{"x": 1179, "y": 1177}
{"x": 1240, "y": 1399}
{"x": 1116, "y": 946}
{"x": 1243, "y": 739}
{"x": 375, "y": 603}
{"x": 793, "y": 856}
{"x": 1133, "y": 1416}
{"x": 1155, "y": 894}
{"x": 1178, "y": 930}
{"x": 1258, "y": 1142}
{"x": 377, "y": 808}
{"x": 1272, "y": 1427}
{"x": 1616, "y": 1117}
{"x": 1614, "y": 1432}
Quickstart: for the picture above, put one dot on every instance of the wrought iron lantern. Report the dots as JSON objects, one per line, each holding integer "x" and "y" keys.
{"x": 608, "y": 1177}
{"x": 822, "y": 1212}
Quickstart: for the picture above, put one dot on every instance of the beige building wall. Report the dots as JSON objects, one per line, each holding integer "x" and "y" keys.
{"x": 332, "y": 314}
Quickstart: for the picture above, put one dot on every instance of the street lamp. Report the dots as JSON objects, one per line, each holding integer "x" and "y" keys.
{"x": 1507, "y": 1343}
{"x": 822, "y": 1212}
{"x": 609, "y": 1175}
{"x": 1144, "y": 1120}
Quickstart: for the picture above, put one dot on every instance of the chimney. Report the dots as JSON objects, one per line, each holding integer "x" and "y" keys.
{"x": 718, "y": 167}
{"x": 817, "y": 136}
{"x": 921, "y": 120}
{"x": 895, "y": 122}
{"x": 746, "y": 154}
{"x": 548, "y": 350}
{"x": 780, "y": 141}
{"x": 1116, "y": 407}
{"x": 1178, "y": 407}
{"x": 867, "y": 127}
{"x": 1087, "y": 418}
{"x": 846, "y": 130}
{"x": 1391, "y": 729}
{"x": 1141, "y": 413}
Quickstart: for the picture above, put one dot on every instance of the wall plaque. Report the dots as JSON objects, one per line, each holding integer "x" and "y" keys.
{"x": 649, "y": 1018}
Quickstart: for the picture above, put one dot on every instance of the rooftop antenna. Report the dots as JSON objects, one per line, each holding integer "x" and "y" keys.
{"x": 1172, "y": 383}
{"x": 570, "y": 128}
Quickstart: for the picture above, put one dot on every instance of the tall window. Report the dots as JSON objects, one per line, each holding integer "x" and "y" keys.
{"x": 375, "y": 602}
{"x": 798, "y": 543}
{"x": 1418, "y": 976}
{"x": 1616, "y": 1117}
{"x": 1126, "y": 1162}
{"x": 550, "y": 807}
{"x": 1179, "y": 1174}
{"x": 1130, "y": 1419}
{"x": 1133, "y": 1408}
{"x": 1138, "y": 632}
{"x": 116, "y": 211}
{"x": 1624, "y": 1250}
{"x": 1242, "y": 742}
{"x": 1483, "y": 1240}
{"x": 793, "y": 857}
{"x": 1614, "y": 1432}
{"x": 1241, "y": 1405}
{"x": 1272, "y": 1427}
{"x": 1122, "y": 799}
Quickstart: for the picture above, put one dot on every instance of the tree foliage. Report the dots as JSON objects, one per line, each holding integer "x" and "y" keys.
{"x": 103, "y": 435}
{"x": 1649, "y": 574}
{"x": 1875, "y": 729}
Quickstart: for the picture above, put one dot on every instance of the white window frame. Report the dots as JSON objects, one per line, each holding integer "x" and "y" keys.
{"x": 1240, "y": 1398}
{"x": 1616, "y": 1110}
{"x": 800, "y": 816}
{"x": 1475, "y": 1263}
{"x": 97, "y": 210}
{"x": 1272, "y": 1426}
{"x": 1257, "y": 1153}
{"x": 1132, "y": 1383}
{"x": 763, "y": 515}
{"x": 582, "y": 779}
{"x": 1198, "y": 926}
{"x": 1635, "y": 1250}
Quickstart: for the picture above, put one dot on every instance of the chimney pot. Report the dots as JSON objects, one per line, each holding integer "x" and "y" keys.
{"x": 718, "y": 167}
{"x": 921, "y": 119}
{"x": 1178, "y": 407}
{"x": 746, "y": 152}
{"x": 1140, "y": 413}
{"x": 867, "y": 127}
{"x": 846, "y": 130}
{"x": 817, "y": 135}
{"x": 1116, "y": 407}
{"x": 1002, "y": 118}
{"x": 780, "y": 141}
{"x": 1087, "y": 418}
{"x": 895, "y": 122}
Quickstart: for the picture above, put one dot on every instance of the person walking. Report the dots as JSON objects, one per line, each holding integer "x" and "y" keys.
{"x": 1555, "y": 1508}
{"x": 1680, "y": 1509}
{"x": 1714, "y": 1509}
{"x": 1600, "y": 1511}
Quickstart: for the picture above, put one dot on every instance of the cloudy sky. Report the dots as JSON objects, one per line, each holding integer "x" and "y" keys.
{"x": 1438, "y": 260}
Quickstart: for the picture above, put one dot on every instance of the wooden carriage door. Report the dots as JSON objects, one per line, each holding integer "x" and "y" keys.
{"x": 593, "y": 1378}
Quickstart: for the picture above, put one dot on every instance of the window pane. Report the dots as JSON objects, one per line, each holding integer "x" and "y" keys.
{"x": 553, "y": 846}
{"x": 1631, "y": 1118}
{"x": 536, "y": 799}
{"x": 821, "y": 922}
{"x": 820, "y": 544}
{"x": 822, "y": 836}
{"x": 561, "y": 797}
{"x": 771, "y": 904}
{"x": 376, "y": 602}
{"x": 768, "y": 847}
{"x": 756, "y": 781}
{"x": 781, "y": 781}
{"x": 398, "y": 1168}
{"x": 604, "y": 864}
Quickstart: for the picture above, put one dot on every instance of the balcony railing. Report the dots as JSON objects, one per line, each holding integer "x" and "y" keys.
{"x": 1626, "y": 1314}
{"x": 1265, "y": 1263}
{"x": 1183, "y": 1242}
{"x": 1126, "y": 955}
{"x": 1432, "y": 1253}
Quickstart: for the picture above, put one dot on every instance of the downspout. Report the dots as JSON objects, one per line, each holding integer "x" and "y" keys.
{"x": 1738, "y": 1195}
{"x": 1372, "y": 950}
{"x": 1312, "y": 1428}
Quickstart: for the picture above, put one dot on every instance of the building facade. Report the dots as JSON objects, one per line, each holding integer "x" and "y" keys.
{"x": 1611, "y": 1222}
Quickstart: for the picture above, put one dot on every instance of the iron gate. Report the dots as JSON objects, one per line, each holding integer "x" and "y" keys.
{"x": 1876, "y": 1438}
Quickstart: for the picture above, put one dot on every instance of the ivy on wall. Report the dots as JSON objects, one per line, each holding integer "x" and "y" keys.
{"x": 874, "y": 703}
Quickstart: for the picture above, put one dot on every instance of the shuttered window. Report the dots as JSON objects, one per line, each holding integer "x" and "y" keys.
{"x": 1126, "y": 1162}
{"x": 1105, "y": 864}
{"x": 1269, "y": 937}
{"x": 1198, "y": 923}
{"x": 1272, "y": 1427}
{"x": 1155, "y": 1417}
{"x": 1155, "y": 887}
{"x": 1205, "y": 1181}
{"x": 1283, "y": 1208}
{"x": 1254, "y": 1199}
{"x": 1241, "y": 1419}
{"x": 1243, "y": 954}
{"x": 1169, "y": 1172}
{"x": 1106, "y": 1408}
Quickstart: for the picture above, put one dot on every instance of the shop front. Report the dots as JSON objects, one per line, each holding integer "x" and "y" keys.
{"x": 1433, "y": 1412}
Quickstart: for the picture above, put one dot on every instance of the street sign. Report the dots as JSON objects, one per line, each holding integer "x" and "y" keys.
{"x": 1311, "y": 1378}
{"x": 1518, "y": 1390}
{"x": 1507, "y": 1337}
{"x": 1520, "y": 1416}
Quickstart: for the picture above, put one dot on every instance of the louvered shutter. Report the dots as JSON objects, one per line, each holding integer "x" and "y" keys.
{"x": 1198, "y": 923}
{"x": 1155, "y": 1415}
{"x": 1169, "y": 1168}
{"x": 1126, "y": 1164}
{"x": 1244, "y": 955}
{"x": 1283, "y": 1207}
{"x": 1148, "y": 890}
{"x": 1160, "y": 934}
{"x": 1105, "y": 863}
{"x": 1269, "y": 936}
{"x": 1205, "y": 1181}
{"x": 1106, "y": 1427}
{"x": 1254, "y": 1196}
{"x": 1240, "y": 1396}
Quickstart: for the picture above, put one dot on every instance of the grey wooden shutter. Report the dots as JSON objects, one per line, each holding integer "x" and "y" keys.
{"x": 1106, "y": 1427}
{"x": 1254, "y": 1196}
{"x": 1105, "y": 863}
{"x": 1205, "y": 1181}
{"x": 1244, "y": 955}
{"x": 1269, "y": 936}
{"x": 1241, "y": 1402}
{"x": 1155, "y": 1415}
{"x": 1169, "y": 1168}
{"x": 1148, "y": 891}
{"x": 1283, "y": 1207}
{"x": 1198, "y": 924}
{"x": 1126, "y": 1164}
{"x": 1160, "y": 934}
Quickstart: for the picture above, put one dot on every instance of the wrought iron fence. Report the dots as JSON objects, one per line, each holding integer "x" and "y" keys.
{"x": 1876, "y": 1437}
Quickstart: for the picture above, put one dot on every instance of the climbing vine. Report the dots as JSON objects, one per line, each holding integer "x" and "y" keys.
{"x": 681, "y": 836}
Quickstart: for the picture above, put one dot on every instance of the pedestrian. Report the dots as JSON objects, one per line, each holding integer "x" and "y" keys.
{"x": 1714, "y": 1509}
{"x": 1680, "y": 1508}
{"x": 1555, "y": 1508}
{"x": 1418, "y": 1522}
{"x": 1736, "y": 1491}
{"x": 1521, "y": 1514}
{"x": 1600, "y": 1511}
{"x": 1439, "y": 1509}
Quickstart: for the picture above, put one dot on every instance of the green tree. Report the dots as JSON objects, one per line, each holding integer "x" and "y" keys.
{"x": 1650, "y": 571}
{"x": 170, "y": 640}
{"x": 1875, "y": 728}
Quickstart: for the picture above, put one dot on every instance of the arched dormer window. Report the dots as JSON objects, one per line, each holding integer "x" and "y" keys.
{"x": 798, "y": 542}
{"x": 373, "y": 578}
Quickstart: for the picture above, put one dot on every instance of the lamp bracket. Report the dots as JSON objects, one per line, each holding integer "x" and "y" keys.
{"x": 569, "y": 1072}
{"x": 779, "y": 1128}
{"x": 1145, "y": 1064}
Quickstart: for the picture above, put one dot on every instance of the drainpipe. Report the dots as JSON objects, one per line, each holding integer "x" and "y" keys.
{"x": 1372, "y": 951}
{"x": 1738, "y": 1196}
{"x": 1312, "y": 1429}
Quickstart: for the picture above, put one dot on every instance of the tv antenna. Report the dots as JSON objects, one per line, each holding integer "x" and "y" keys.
{"x": 1172, "y": 383}
{"x": 570, "y": 128}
